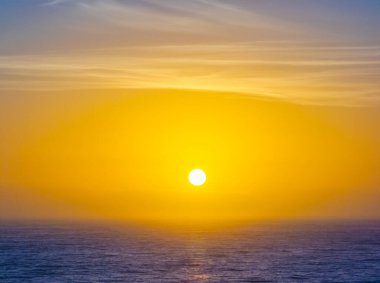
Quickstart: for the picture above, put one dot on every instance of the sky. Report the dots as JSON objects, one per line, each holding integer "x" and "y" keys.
{"x": 308, "y": 51}
{"x": 106, "y": 105}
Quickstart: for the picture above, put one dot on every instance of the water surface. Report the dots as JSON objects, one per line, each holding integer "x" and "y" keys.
{"x": 276, "y": 252}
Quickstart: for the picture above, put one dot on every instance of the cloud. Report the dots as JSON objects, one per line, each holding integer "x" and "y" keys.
{"x": 203, "y": 44}
{"x": 57, "y": 2}
{"x": 303, "y": 74}
{"x": 197, "y": 16}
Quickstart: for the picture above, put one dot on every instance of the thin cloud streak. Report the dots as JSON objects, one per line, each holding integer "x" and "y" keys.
{"x": 201, "y": 44}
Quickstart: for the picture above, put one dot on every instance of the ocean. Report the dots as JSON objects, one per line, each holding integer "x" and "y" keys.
{"x": 114, "y": 252}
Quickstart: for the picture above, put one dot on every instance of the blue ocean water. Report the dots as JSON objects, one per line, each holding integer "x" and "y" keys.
{"x": 275, "y": 252}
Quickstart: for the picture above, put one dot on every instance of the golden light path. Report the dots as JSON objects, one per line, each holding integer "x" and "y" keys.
{"x": 197, "y": 177}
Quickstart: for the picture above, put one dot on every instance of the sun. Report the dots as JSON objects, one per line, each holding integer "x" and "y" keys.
{"x": 197, "y": 177}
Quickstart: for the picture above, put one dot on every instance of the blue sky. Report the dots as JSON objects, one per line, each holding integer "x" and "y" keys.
{"x": 349, "y": 20}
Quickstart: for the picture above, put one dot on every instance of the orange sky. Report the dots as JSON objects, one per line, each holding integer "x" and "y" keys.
{"x": 105, "y": 107}
{"x": 126, "y": 154}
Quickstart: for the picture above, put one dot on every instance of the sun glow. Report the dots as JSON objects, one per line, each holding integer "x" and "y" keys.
{"x": 197, "y": 177}
{"x": 263, "y": 158}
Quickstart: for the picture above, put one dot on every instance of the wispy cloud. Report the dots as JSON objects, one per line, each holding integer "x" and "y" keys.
{"x": 205, "y": 44}
{"x": 303, "y": 74}
{"x": 171, "y": 21}
{"x": 58, "y": 2}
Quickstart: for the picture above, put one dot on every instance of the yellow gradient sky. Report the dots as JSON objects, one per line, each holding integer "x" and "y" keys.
{"x": 105, "y": 107}
{"x": 129, "y": 157}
